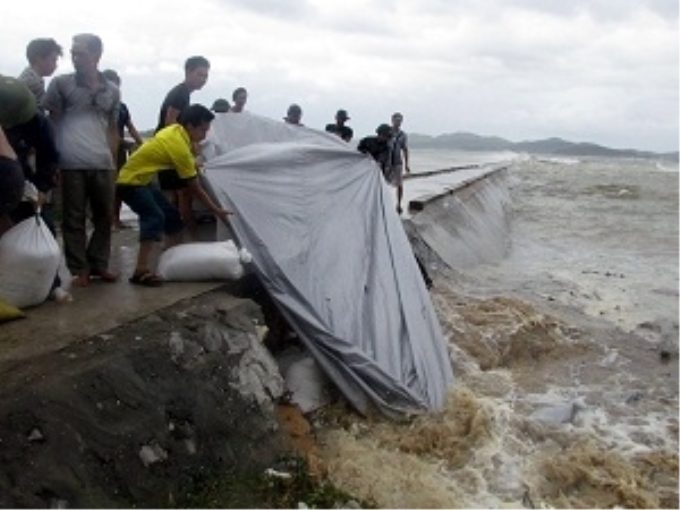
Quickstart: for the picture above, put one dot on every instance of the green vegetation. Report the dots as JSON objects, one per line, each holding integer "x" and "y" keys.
{"x": 549, "y": 146}
{"x": 289, "y": 484}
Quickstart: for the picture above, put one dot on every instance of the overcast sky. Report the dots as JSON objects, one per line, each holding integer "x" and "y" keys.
{"x": 602, "y": 71}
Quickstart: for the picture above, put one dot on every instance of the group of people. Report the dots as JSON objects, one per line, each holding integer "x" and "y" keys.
{"x": 389, "y": 147}
{"x": 71, "y": 134}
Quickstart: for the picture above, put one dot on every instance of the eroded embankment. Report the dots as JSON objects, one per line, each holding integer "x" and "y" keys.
{"x": 143, "y": 414}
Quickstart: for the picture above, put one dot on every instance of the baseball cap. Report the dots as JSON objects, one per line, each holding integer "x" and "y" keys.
{"x": 342, "y": 114}
{"x": 17, "y": 103}
{"x": 220, "y": 106}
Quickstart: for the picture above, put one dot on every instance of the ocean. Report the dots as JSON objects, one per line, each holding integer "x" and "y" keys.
{"x": 564, "y": 346}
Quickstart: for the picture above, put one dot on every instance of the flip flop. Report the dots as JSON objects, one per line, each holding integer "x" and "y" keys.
{"x": 146, "y": 279}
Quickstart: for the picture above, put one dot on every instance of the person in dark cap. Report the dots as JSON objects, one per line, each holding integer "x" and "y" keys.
{"x": 29, "y": 135}
{"x": 17, "y": 106}
{"x": 378, "y": 146}
{"x": 17, "y": 103}
{"x": 339, "y": 128}
{"x": 11, "y": 182}
{"x": 220, "y": 106}
{"x": 294, "y": 115}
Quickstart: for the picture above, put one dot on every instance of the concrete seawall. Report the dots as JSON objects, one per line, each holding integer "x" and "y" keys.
{"x": 465, "y": 223}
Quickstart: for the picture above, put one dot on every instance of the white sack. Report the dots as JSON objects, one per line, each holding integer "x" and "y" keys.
{"x": 29, "y": 260}
{"x": 307, "y": 383}
{"x": 197, "y": 262}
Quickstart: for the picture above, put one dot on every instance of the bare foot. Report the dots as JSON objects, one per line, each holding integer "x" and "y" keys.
{"x": 105, "y": 275}
{"x": 81, "y": 280}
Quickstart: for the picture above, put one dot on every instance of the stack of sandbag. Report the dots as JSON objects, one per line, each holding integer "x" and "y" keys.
{"x": 29, "y": 260}
{"x": 198, "y": 262}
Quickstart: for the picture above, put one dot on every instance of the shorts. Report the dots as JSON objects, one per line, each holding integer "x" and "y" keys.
{"x": 157, "y": 216}
{"x": 170, "y": 180}
{"x": 11, "y": 184}
{"x": 395, "y": 174}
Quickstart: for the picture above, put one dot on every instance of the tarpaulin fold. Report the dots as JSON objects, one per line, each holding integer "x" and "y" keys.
{"x": 330, "y": 249}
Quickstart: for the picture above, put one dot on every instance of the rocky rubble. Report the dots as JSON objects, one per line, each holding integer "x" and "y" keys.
{"x": 145, "y": 413}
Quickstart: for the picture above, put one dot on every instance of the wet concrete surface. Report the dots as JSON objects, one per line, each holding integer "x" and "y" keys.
{"x": 423, "y": 188}
{"x": 96, "y": 308}
{"x": 103, "y": 306}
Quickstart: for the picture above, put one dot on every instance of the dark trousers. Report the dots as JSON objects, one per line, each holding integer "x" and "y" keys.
{"x": 81, "y": 188}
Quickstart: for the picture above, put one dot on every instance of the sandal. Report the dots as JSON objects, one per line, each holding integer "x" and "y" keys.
{"x": 146, "y": 279}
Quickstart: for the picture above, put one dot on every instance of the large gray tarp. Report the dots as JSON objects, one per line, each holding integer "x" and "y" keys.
{"x": 329, "y": 247}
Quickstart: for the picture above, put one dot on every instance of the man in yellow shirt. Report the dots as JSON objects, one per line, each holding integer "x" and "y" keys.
{"x": 170, "y": 148}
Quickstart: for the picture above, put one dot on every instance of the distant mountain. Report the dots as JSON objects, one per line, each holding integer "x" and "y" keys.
{"x": 549, "y": 146}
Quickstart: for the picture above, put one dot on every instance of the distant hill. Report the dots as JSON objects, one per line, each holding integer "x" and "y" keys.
{"x": 549, "y": 146}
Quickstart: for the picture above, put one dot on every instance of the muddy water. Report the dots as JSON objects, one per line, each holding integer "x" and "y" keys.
{"x": 565, "y": 354}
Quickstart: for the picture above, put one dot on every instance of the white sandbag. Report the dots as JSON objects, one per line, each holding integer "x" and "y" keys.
{"x": 307, "y": 384}
{"x": 29, "y": 260}
{"x": 64, "y": 274}
{"x": 197, "y": 262}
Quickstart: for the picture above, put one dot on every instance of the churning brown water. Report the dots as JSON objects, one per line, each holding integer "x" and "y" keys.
{"x": 564, "y": 352}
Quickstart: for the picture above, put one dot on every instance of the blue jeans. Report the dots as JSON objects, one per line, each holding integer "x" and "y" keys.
{"x": 157, "y": 216}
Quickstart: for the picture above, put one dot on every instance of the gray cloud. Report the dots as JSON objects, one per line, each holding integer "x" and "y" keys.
{"x": 595, "y": 70}
{"x": 290, "y": 9}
